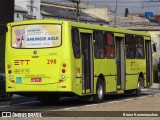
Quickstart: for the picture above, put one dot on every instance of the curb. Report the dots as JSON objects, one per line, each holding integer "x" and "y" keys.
{"x": 156, "y": 85}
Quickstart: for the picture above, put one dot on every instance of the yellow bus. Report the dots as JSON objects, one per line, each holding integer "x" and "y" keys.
{"x": 53, "y": 58}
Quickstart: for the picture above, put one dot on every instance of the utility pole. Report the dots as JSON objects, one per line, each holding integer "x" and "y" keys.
{"x": 115, "y": 18}
{"x": 77, "y": 2}
{"x": 31, "y": 8}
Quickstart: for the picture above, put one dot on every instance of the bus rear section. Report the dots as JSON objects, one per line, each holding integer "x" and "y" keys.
{"x": 34, "y": 59}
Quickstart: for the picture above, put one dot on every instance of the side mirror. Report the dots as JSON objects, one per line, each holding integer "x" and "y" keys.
{"x": 154, "y": 47}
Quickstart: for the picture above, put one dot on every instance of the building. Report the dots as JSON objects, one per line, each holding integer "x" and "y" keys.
{"x": 19, "y": 13}
{"x": 34, "y": 9}
{"x": 60, "y": 11}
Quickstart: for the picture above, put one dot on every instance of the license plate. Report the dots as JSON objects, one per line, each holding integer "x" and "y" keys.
{"x": 36, "y": 79}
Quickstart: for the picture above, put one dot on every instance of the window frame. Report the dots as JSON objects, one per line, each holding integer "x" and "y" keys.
{"x": 110, "y": 45}
{"x": 142, "y": 47}
{"x": 133, "y": 47}
{"x": 130, "y": 48}
{"x": 75, "y": 44}
{"x": 99, "y": 45}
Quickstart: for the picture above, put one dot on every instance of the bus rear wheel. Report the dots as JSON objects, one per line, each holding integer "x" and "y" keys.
{"x": 99, "y": 96}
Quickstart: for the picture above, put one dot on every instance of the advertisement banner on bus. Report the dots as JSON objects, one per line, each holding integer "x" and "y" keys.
{"x": 36, "y": 36}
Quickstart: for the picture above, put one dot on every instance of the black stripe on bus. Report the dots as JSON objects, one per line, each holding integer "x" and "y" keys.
{"x": 114, "y": 75}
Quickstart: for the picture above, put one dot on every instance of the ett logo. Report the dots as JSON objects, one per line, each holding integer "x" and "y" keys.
{"x": 21, "y": 62}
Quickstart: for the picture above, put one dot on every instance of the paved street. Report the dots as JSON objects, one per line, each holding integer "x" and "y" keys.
{"x": 148, "y": 101}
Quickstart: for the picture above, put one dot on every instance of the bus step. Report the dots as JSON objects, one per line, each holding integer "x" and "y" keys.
{"x": 118, "y": 87}
{"x": 120, "y": 91}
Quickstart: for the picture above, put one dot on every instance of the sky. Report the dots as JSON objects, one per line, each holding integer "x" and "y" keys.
{"x": 134, "y": 6}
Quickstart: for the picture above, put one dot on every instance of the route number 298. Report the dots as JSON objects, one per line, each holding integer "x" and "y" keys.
{"x": 51, "y": 61}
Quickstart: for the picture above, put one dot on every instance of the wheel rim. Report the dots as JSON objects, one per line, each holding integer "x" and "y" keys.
{"x": 100, "y": 92}
{"x": 139, "y": 87}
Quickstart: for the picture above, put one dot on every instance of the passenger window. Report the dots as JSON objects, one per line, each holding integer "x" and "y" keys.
{"x": 130, "y": 43}
{"x": 110, "y": 47}
{"x": 99, "y": 49}
{"x": 130, "y": 52}
{"x": 76, "y": 43}
{"x": 130, "y": 40}
{"x": 139, "y": 47}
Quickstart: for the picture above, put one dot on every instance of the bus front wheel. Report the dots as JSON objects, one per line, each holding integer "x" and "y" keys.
{"x": 138, "y": 90}
{"x": 98, "y": 97}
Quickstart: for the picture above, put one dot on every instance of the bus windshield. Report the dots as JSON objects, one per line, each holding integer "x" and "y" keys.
{"x": 36, "y": 36}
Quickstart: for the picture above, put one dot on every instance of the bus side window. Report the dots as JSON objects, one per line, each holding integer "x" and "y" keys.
{"x": 99, "y": 51}
{"x": 130, "y": 44}
{"x": 110, "y": 47}
{"x": 139, "y": 47}
{"x": 130, "y": 52}
{"x": 76, "y": 43}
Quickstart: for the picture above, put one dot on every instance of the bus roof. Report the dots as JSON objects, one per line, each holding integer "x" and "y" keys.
{"x": 109, "y": 29}
{"x": 81, "y": 25}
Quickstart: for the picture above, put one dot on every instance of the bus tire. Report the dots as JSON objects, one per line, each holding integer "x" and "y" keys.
{"x": 138, "y": 90}
{"x": 99, "y": 96}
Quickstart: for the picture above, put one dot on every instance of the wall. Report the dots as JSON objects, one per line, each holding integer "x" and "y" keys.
{"x": 155, "y": 35}
{"x": 18, "y": 16}
{"x": 101, "y": 13}
{"x": 26, "y": 5}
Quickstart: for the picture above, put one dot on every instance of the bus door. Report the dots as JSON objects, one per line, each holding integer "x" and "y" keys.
{"x": 87, "y": 62}
{"x": 148, "y": 50}
{"x": 120, "y": 60}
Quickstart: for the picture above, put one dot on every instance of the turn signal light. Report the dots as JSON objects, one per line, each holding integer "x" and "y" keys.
{"x": 63, "y": 71}
{"x": 60, "y": 80}
{"x": 8, "y": 66}
{"x": 9, "y": 71}
{"x": 64, "y": 65}
{"x": 12, "y": 81}
{"x": 63, "y": 86}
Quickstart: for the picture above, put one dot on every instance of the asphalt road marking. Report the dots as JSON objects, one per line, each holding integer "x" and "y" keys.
{"x": 70, "y": 108}
{"x": 25, "y": 103}
{"x": 91, "y": 105}
{"x": 4, "y": 106}
{"x": 142, "y": 97}
{"x": 19, "y": 104}
{"x": 129, "y": 99}
{"x": 111, "y": 102}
